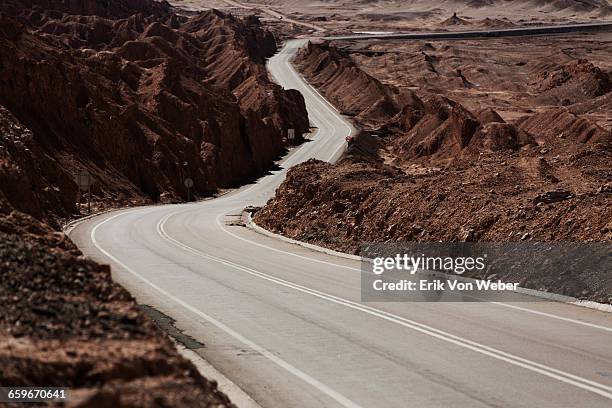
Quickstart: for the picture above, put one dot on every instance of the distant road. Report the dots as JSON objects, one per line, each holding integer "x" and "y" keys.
{"x": 286, "y": 324}
{"x": 502, "y": 32}
{"x": 273, "y": 13}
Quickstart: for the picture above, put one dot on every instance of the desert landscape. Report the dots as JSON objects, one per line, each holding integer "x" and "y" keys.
{"x": 345, "y": 17}
{"x": 462, "y": 140}
{"x": 467, "y": 140}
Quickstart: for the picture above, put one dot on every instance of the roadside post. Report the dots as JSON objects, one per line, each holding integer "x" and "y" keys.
{"x": 291, "y": 135}
{"x": 84, "y": 180}
{"x": 188, "y": 184}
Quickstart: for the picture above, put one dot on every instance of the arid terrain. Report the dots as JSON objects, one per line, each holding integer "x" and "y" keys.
{"x": 513, "y": 76}
{"x": 346, "y": 16}
{"x": 497, "y": 140}
{"x": 142, "y": 96}
{"x": 503, "y": 140}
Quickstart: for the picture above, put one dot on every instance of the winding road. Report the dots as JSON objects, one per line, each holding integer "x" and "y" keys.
{"x": 286, "y": 324}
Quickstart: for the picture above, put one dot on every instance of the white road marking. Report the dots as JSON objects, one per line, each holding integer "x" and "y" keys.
{"x": 568, "y": 378}
{"x": 577, "y": 381}
{"x": 339, "y": 398}
{"x": 335, "y": 265}
{"x": 519, "y": 308}
{"x": 554, "y": 316}
{"x": 323, "y": 102}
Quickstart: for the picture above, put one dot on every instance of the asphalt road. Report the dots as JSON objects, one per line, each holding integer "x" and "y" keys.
{"x": 286, "y": 324}
{"x": 273, "y": 13}
{"x": 494, "y": 32}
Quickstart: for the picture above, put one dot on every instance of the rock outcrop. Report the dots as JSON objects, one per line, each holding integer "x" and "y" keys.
{"x": 574, "y": 82}
{"x": 347, "y": 86}
{"x": 562, "y": 124}
{"x": 143, "y": 98}
{"x": 438, "y": 128}
{"x": 455, "y": 20}
{"x": 430, "y": 127}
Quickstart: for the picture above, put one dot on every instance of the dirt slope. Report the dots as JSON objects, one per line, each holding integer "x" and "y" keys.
{"x": 563, "y": 124}
{"x": 574, "y": 82}
{"x": 64, "y": 323}
{"x": 351, "y": 89}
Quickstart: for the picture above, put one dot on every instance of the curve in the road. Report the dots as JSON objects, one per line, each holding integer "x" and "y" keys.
{"x": 603, "y": 390}
{"x": 266, "y": 309}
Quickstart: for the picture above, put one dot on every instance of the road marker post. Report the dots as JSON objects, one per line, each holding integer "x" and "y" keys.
{"x": 188, "y": 184}
{"x": 84, "y": 180}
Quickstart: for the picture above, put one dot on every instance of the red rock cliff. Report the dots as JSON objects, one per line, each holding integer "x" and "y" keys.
{"x": 141, "y": 97}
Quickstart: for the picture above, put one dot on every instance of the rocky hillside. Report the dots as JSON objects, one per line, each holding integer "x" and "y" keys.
{"x": 435, "y": 171}
{"x": 63, "y": 322}
{"x": 347, "y": 86}
{"x": 571, "y": 83}
{"x": 141, "y": 97}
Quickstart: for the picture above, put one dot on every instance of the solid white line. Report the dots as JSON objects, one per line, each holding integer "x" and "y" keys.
{"x": 523, "y": 309}
{"x": 583, "y": 383}
{"x": 335, "y": 265}
{"x": 553, "y": 316}
{"x": 322, "y": 102}
{"x": 339, "y": 398}
{"x": 224, "y": 384}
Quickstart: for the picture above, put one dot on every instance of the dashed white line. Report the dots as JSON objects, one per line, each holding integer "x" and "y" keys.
{"x": 339, "y": 398}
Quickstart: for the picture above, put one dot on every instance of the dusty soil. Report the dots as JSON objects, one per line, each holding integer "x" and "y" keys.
{"x": 64, "y": 323}
{"x": 514, "y": 76}
{"x": 429, "y": 168}
{"x": 347, "y": 16}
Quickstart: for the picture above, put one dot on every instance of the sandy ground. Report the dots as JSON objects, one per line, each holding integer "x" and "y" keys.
{"x": 502, "y": 74}
{"x": 343, "y": 16}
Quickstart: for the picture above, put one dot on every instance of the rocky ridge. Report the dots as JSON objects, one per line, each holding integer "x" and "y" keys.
{"x": 435, "y": 171}
{"x": 145, "y": 100}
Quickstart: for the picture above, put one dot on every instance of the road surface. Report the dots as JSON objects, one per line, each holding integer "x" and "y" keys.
{"x": 494, "y": 32}
{"x": 286, "y": 323}
{"x": 274, "y": 14}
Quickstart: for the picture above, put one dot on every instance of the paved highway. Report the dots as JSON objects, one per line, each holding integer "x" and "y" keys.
{"x": 494, "y": 32}
{"x": 273, "y": 13}
{"x": 286, "y": 323}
